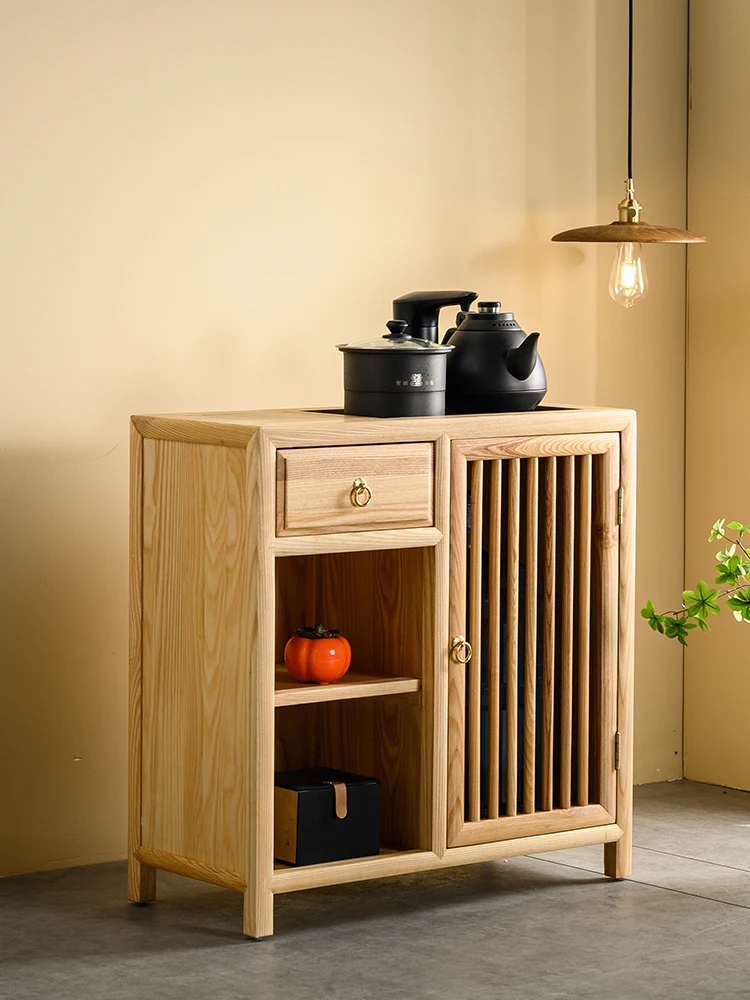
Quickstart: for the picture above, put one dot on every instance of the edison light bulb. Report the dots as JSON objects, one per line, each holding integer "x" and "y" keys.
{"x": 628, "y": 282}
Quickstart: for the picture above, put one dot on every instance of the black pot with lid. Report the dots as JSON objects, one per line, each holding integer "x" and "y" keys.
{"x": 396, "y": 375}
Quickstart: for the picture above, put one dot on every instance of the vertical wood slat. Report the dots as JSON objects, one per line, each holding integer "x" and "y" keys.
{"x": 566, "y": 651}
{"x": 511, "y": 657}
{"x": 475, "y": 638}
{"x": 455, "y": 806}
{"x": 493, "y": 679}
{"x": 529, "y": 723}
{"x": 584, "y": 626}
{"x": 607, "y": 544}
{"x": 548, "y": 669}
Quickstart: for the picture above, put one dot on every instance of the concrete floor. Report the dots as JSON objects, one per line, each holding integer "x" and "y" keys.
{"x": 549, "y": 926}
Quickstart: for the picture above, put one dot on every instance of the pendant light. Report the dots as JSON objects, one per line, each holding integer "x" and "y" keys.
{"x": 628, "y": 282}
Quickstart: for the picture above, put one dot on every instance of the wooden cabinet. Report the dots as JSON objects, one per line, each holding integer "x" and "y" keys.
{"x": 484, "y": 576}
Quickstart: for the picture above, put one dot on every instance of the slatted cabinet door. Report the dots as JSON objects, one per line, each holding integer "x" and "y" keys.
{"x": 534, "y": 630}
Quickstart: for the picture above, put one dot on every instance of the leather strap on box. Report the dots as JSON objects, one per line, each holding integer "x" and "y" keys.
{"x": 339, "y": 794}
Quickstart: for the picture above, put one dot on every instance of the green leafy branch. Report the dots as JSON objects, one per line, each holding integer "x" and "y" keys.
{"x": 732, "y": 572}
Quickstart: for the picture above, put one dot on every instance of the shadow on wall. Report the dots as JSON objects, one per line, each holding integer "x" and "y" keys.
{"x": 63, "y": 625}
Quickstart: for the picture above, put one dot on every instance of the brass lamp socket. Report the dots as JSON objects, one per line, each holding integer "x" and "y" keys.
{"x": 630, "y": 208}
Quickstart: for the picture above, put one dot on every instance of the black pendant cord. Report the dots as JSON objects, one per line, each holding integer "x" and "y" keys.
{"x": 630, "y": 89}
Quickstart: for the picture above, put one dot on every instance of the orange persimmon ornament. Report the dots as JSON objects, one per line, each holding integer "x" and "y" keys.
{"x": 319, "y": 654}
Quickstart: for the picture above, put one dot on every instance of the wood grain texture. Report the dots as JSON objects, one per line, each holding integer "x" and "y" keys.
{"x": 475, "y": 638}
{"x": 195, "y": 641}
{"x": 584, "y": 627}
{"x": 356, "y": 541}
{"x": 627, "y": 232}
{"x": 558, "y": 445}
{"x": 288, "y": 691}
{"x": 384, "y": 602}
{"x": 404, "y": 863}
{"x": 285, "y": 813}
{"x": 607, "y": 536}
{"x": 401, "y": 593}
{"x": 141, "y": 878}
{"x": 493, "y": 664}
{"x": 511, "y": 827}
{"x": 435, "y": 677}
{"x": 530, "y": 650}
{"x": 315, "y": 486}
{"x": 165, "y": 861}
{"x": 292, "y": 428}
{"x": 550, "y": 593}
{"x": 380, "y": 600}
{"x": 567, "y": 626}
{"x": 511, "y": 648}
{"x": 257, "y": 705}
{"x": 618, "y": 861}
{"x": 381, "y": 738}
{"x": 457, "y": 672}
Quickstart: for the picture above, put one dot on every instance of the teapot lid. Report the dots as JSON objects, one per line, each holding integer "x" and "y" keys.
{"x": 397, "y": 339}
{"x": 493, "y": 310}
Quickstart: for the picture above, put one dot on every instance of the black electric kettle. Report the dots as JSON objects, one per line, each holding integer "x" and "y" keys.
{"x": 494, "y": 367}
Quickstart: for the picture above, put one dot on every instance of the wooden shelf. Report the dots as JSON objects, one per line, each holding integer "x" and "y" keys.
{"x": 390, "y": 861}
{"x": 385, "y": 852}
{"x": 352, "y": 685}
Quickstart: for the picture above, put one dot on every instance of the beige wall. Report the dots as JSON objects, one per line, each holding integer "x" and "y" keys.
{"x": 717, "y": 678}
{"x": 201, "y": 199}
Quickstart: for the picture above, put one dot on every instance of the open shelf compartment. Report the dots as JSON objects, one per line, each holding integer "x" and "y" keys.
{"x": 379, "y": 600}
{"x": 371, "y": 722}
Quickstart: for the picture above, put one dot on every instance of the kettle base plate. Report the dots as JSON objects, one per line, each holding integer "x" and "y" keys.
{"x": 496, "y": 402}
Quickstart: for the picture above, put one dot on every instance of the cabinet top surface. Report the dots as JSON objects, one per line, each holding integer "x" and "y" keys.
{"x": 299, "y": 426}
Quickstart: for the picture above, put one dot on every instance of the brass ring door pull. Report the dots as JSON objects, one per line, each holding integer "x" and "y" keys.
{"x": 361, "y": 493}
{"x": 461, "y": 649}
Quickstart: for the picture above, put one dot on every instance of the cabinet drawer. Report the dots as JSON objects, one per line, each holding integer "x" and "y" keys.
{"x": 316, "y": 492}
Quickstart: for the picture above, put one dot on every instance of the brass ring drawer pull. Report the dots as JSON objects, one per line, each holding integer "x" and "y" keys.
{"x": 461, "y": 649}
{"x": 361, "y": 493}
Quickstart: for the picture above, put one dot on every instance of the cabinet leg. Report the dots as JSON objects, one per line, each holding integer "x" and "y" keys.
{"x": 258, "y": 916}
{"x": 141, "y": 881}
{"x": 618, "y": 857}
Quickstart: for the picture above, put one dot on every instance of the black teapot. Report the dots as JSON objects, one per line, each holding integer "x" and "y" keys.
{"x": 494, "y": 367}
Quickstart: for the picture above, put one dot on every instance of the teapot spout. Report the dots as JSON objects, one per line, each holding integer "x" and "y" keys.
{"x": 522, "y": 360}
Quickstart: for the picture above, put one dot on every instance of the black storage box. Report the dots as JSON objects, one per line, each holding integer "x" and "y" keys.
{"x": 307, "y": 829}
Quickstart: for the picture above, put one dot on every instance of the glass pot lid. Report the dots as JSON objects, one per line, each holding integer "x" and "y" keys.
{"x": 397, "y": 340}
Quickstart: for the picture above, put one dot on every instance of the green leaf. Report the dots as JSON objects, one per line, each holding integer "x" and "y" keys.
{"x": 735, "y": 526}
{"x": 701, "y": 601}
{"x": 717, "y": 530}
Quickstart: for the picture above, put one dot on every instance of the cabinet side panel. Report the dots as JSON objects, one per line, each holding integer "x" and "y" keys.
{"x": 141, "y": 878}
{"x": 194, "y": 651}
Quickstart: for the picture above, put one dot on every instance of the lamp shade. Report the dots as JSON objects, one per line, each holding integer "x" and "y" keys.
{"x": 627, "y": 232}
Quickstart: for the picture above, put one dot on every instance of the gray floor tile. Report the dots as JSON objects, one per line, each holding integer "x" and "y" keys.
{"x": 531, "y": 927}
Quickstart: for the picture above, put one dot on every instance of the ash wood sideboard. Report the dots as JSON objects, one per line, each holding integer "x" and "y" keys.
{"x": 485, "y": 580}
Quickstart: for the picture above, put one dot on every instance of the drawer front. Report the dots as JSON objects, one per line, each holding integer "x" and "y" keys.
{"x": 316, "y": 489}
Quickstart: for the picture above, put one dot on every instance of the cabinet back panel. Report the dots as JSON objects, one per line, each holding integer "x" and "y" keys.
{"x": 376, "y": 737}
{"x": 381, "y": 601}
{"x": 194, "y": 651}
